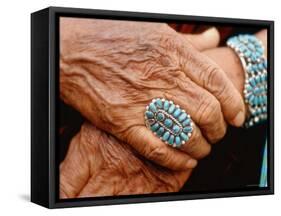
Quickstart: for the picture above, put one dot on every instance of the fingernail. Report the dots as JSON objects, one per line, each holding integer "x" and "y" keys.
{"x": 191, "y": 163}
{"x": 210, "y": 32}
{"x": 239, "y": 119}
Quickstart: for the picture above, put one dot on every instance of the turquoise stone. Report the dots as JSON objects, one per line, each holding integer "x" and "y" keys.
{"x": 172, "y": 108}
{"x": 160, "y": 131}
{"x": 254, "y": 57}
{"x": 250, "y": 69}
{"x": 251, "y": 46}
{"x": 149, "y": 114}
{"x": 187, "y": 129}
{"x": 257, "y": 90}
{"x": 182, "y": 117}
{"x": 184, "y": 136}
{"x": 260, "y": 66}
{"x": 262, "y": 78}
{"x": 160, "y": 117}
{"x": 264, "y": 99}
{"x": 249, "y": 88}
{"x": 177, "y": 112}
{"x": 260, "y": 50}
{"x": 166, "y": 105}
{"x": 256, "y": 101}
{"x": 168, "y": 122}
{"x": 178, "y": 140}
{"x": 152, "y": 107}
{"x": 154, "y": 127}
{"x": 247, "y": 53}
{"x": 252, "y": 81}
{"x": 159, "y": 103}
{"x": 251, "y": 99}
{"x": 258, "y": 79}
{"x": 243, "y": 48}
{"x": 259, "y": 100}
{"x": 166, "y": 136}
{"x": 255, "y": 67}
{"x": 171, "y": 140}
{"x": 186, "y": 122}
{"x": 176, "y": 129}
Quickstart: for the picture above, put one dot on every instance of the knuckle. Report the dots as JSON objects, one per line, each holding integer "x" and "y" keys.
{"x": 217, "y": 136}
{"x": 205, "y": 152}
{"x": 213, "y": 79}
{"x": 209, "y": 111}
{"x": 195, "y": 140}
{"x": 216, "y": 132}
{"x": 211, "y": 76}
{"x": 211, "y": 119}
{"x": 232, "y": 101}
{"x": 219, "y": 133}
{"x": 157, "y": 153}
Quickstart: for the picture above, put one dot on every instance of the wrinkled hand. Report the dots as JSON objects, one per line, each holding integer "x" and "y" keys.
{"x": 97, "y": 164}
{"x": 110, "y": 71}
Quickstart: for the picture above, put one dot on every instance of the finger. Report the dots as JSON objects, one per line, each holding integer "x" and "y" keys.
{"x": 210, "y": 76}
{"x": 197, "y": 146}
{"x": 74, "y": 170}
{"x": 202, "y": 106}
{"x": 206, "y": 40}
{"x": 152, "y": 148}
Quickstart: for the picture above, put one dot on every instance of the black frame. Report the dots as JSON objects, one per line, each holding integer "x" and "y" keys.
{"x": 44, "y": 97}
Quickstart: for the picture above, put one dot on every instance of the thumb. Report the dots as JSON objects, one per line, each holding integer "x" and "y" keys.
{"x": 206, "y": 40}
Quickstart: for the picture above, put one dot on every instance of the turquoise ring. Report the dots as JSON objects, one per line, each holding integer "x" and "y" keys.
{"x": 168, "y": 122}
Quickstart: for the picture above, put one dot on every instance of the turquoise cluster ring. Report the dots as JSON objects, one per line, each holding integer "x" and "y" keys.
{"x": 168, "y": 122}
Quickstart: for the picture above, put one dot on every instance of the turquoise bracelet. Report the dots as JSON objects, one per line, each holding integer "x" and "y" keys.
{"x": 251, "y": 54}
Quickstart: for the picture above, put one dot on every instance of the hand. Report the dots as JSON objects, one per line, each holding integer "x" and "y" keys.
{"x": 97, "y": 164}
{"x": 228, "y": 60}
{"x": 110, "y": 71}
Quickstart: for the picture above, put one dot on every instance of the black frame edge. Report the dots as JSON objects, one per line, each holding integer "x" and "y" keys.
{"x": 40, "y": 107}
{"x": 271, "y": 99}
{"x": 176, "y": 17}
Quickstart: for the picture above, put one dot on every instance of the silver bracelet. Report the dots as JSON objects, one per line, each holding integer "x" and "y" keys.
{"x": 251, "y": 54}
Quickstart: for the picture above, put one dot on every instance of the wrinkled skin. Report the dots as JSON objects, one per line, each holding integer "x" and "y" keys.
{"x": 110, "y": 71}
{"x": 97, "y": 164}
